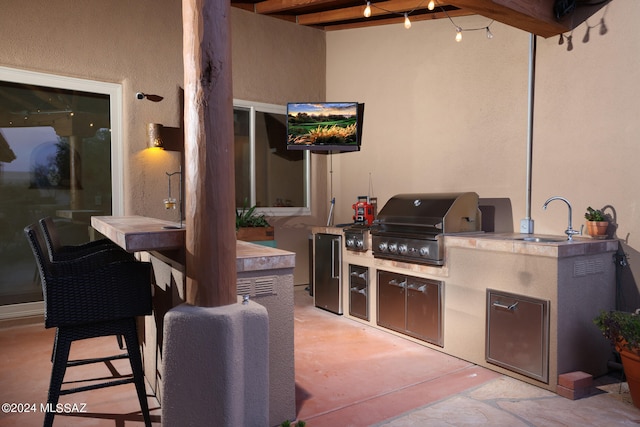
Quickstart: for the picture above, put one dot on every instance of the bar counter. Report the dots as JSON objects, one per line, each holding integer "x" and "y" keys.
{"x": 265, "y": 274}
{"x": 138, "y": 233}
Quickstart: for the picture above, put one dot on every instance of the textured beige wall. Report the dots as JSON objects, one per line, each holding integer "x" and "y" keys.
{"x": 139, "y": 45}
{"x": 136, "y": 44}
{"x": 440, "y": 115}
{"x": 277, "y": 62}
{"x": 446, "y": 116}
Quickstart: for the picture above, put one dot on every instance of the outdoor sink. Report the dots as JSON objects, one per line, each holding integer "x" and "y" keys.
{"x": 542, "y": 239}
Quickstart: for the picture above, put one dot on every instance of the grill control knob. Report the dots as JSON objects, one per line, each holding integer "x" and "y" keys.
{"x": 359, "y": 244}
{"x": 393, "y": 248}
{"x": 382, "y": 246}
{"x": 403, "y": 249}
{"x": 350, "y": 243}
{"x": 424, "y": 251}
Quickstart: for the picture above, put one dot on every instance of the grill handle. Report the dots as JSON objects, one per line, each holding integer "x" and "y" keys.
{"x": 394, "y": 282}
{"x": 418, "y": 287}
{"x": 511, "y": 307}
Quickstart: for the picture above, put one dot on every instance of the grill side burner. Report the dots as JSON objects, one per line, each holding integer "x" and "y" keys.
{"x": 411, "y": 227}
{"x": 355, "y": 238}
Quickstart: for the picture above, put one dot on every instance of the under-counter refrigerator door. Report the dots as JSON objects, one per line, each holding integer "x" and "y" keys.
{"x": 327, "y": 272}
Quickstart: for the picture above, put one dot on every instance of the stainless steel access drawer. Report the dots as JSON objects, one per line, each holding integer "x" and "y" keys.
{"x": 518, "y": 334}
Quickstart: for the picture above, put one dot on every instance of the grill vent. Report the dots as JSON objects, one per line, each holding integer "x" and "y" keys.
{"x": 257, "y": 286}
{"x": 584, "y": 268}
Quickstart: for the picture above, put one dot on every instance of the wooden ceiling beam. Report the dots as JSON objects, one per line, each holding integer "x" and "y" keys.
{"x": 396, "y": 20}
{"x": 533, "y": 16}
{"x": 356, "y": 12}
{"x": 275, "y": 6}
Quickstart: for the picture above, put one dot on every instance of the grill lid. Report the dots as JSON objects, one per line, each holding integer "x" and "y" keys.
{"x": 430, "y": 213}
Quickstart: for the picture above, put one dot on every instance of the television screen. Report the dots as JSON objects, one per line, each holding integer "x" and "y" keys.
{"x": 324, "y": 126}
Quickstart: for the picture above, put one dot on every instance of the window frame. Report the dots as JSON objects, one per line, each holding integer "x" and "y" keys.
{"x": 114, "y": 91}
{"x": 254, "y": 107}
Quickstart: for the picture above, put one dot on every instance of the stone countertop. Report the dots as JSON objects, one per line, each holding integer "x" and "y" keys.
{"x": 327, "y": 230}
{"x": 253, "y": 257}
{"x": 512, "y": 242}
{"x": 138, "y": 233}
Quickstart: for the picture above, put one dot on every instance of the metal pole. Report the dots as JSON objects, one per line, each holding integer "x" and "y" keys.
{"x": 526, "y": 225}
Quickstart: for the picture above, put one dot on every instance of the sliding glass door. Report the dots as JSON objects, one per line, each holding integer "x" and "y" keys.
{"x": 56, "y": 146}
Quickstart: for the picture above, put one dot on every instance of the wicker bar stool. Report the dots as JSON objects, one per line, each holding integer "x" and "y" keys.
{"x": 93, "y": 295}
{"x": 59, "y": 252}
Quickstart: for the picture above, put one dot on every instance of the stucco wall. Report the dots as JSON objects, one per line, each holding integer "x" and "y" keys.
{"x": 277, "y": 62}
{"x": 440, "y": 115}
{"x": 139, "y": 45}
{"x": 447, "y": 116}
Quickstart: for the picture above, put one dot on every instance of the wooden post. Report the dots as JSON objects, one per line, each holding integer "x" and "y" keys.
{"x": 209, "y": 168}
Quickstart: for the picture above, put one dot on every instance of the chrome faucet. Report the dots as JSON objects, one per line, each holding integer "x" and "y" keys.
{"x": 569, "y": 231}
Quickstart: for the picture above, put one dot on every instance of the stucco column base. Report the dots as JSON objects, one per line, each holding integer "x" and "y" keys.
{"x": 216, "y": 366}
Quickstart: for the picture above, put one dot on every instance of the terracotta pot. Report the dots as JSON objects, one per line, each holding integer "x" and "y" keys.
{"x": 597, "y": 228}
{"x": 254, "y": 234}
{"x": 631, "y": 366}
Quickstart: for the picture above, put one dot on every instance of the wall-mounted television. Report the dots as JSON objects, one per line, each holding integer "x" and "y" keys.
{"x": 324, "y": 126}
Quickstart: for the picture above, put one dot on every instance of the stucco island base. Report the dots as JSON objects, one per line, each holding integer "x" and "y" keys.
{"x": 216, "y": 366}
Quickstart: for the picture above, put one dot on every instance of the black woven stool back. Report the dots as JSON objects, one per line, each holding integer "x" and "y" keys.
{"x": 93, "y": 294}
{"x": 57, "y": 251}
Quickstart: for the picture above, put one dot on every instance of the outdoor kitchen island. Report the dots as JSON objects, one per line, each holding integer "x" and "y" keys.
{"x": 522, "y": 308}
{"x": 265, "y": 274}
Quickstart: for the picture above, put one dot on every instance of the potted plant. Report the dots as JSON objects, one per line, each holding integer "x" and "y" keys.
{"x": 252, "y": 226}
{"x": 597, "y": 223}
{"x": 622, "y": 329}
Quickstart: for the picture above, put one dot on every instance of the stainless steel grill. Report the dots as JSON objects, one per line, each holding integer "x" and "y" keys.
{"x": 411, "y": 227}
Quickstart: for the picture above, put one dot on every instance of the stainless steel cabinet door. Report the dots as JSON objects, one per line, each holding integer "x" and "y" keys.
{"x": 518, "y": 333}
{"x": 424, "y": 309}
{"x": 327, "y": 272}
{"x": 392, "y": 289}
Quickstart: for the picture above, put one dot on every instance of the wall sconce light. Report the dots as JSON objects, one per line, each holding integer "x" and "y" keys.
{"x": 154, "y": 133}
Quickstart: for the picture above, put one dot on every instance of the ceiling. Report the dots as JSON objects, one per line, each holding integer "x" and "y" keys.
{"x": 534, "y": 16}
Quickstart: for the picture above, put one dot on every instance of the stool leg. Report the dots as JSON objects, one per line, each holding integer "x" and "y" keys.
{"x": 60, "y": 357}
{"x": 55, "y": 343}
{"x": 133, "y": 348}
{"x": 119, "y": 339}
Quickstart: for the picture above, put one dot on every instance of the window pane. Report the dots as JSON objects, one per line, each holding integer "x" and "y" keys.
{"x": 242, "y": 160}
{"x": 55, "y": 160}
{"x": 279, "y": 172}
{"x": 267, "y": 174}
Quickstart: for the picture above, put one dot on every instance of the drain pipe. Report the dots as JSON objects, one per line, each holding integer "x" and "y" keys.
{"x": 526, "y": 224}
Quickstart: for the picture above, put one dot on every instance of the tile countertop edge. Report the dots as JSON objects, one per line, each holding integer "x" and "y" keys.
{"x": 321, "y": 229}
{"x": 253, "y": 257}
{"x": 142, "y": 234}
{"x": 507, "y": 242}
